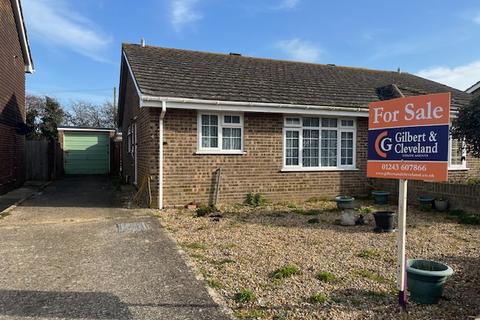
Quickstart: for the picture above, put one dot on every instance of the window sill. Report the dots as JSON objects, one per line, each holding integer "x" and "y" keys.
{"x": 223, "y": 153}
{"x": 458, "y": 169}
{"x": 285, "y": 169}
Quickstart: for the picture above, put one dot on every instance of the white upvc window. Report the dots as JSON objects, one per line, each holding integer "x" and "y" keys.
{"x": 220, "y": 132}
{"x": 457, "y": 154}
{"x": 319, "y": 143}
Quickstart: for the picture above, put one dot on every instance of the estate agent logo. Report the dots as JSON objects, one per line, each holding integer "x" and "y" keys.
{"x": 408, "y": 138}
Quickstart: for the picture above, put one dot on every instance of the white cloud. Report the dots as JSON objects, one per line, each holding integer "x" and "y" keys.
{"x": 287, "y": 4}
{"x": 300, "y": 50}
{"x": 460, "y": 77}
{"x": 53, "y": 22}
{"x": 183, "y": 12}
{"x": 476, "y": 19}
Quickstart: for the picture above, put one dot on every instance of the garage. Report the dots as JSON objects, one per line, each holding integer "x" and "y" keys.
{"x": 85, "y": 150}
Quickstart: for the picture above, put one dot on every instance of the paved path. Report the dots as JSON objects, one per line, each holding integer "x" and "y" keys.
{"x": 72, "y": 253}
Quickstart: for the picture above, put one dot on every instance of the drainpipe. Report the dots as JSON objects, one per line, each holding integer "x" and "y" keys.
{"x": 160, "y": 155}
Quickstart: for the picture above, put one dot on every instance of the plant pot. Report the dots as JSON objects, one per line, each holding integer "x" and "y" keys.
{"x": 344, "y": 202}
{"x": 384, "y": 221}
{"x": 426, "y": 280}
{"x": 441, "y": 205}
{"x": 380, "y": 197}
{"x": 425, "y": 201}
{"x": 348, "y": 217}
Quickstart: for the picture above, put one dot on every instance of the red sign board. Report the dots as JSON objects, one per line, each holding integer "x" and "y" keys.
{"x": 408, "y": 138}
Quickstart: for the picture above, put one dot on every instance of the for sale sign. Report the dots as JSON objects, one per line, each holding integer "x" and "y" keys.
{"x": 408, "y": 138}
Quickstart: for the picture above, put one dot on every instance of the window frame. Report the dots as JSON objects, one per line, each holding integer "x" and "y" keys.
{"x": 221, "y": 125}
{"x": 463, "y": 165}
{"x": 339, "y": 128}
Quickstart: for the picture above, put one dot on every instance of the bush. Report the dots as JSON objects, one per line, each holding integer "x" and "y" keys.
{"x": 368, "y": 254}
{"x": 313, "y": 220}
{"x": 326, "y": 276}
{"x": 255, "y": 199}
{"x": 244, "y": 296}
{"x": 319, "y": 297}
{"x": 204, "y": 210}
{"x": 473, "y": 181}
{"x": 285, "y": 271}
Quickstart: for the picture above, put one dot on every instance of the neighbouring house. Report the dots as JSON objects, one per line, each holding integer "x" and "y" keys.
{"x": 15, "y": 61}
{"x": 475, "y": 89}
{"x": 288, "y": 130}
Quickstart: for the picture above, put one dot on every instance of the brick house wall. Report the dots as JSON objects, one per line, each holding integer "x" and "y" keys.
{"x": 147, "y": 122}
{"x": 12, "y": 102}
{"x": 188, "y": 176}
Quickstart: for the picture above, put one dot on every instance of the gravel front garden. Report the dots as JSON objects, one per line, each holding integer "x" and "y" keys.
{"x": 293, "y": 261}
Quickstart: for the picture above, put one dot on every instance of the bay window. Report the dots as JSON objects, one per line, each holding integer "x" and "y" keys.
{"x": 220, "y": 133}
{"x": 319, "y": 143}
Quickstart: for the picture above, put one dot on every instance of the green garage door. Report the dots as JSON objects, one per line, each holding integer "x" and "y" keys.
{"x": 86, "y": 153}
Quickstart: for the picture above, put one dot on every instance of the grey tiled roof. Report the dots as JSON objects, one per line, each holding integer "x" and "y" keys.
{"x": 210, "y": 76}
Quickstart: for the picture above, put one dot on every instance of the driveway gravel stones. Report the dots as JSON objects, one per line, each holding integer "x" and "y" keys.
{"x": 242, "y": 250}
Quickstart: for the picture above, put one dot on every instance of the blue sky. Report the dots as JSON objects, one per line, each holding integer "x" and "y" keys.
{"x": 76, "y": 44}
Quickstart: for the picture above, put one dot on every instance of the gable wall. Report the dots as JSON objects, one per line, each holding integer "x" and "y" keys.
{"x": 12, "y": 102}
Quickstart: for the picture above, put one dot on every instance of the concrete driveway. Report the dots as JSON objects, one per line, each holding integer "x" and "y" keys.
{"x": 74, "y": 253}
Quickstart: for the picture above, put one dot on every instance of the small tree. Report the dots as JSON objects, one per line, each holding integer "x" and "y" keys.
{"x": 467, "y": 126}
{"x": 52, "y": 116}
{"x": 87, "y": 114}
{"x": 35, "y": 106}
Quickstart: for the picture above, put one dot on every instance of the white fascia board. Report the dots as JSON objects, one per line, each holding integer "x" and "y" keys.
{"x": 22, "y": 32}
{"x": 85, "y": 129}
{"x": 194, "y": 104}
{"x": 140, "y": 95}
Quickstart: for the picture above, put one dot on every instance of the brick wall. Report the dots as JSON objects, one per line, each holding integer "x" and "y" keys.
{"x": 456, "y": 190}
{"x": 146, "y": 120}
{"x": 188, "y": 176}
{"x": 12, "y": 102}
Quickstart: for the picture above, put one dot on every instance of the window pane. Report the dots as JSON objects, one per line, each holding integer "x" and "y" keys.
{"x": 310, "y": 148}
{"x": 232, "y": 138}
{"x": 347, "y": 123}
{"x": 311, "y": 122}
{"x": 209, "y": 131}
{"x": 457, "y": 151}
{"x": 329, "y": 148}
{"x": 227, "y": 119}
{"x": 292, "y": 148}
{"x": 292, "y": 121}
{"x": 329, "y": 122}
{"x": 346, "y": 149}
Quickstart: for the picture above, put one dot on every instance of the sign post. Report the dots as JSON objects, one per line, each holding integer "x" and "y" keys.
{"x": 408, "y": 140}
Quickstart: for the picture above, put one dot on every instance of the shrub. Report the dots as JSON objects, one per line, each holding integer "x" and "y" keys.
{"x": 368, "y": 254}
{"x": 319, "y": 297}
{"x": 366, "y": 209}
{"x": 204, "y": 210}
{"x": 471, "y": 218}
{"x": 285, "y": 271}
{"x": 371, "y": 275}
{"x": 255, "y": 199}
{"x": 326, "y": 276}
{"x": 244, "y": 296}
{"x": 313, "y": 220}
{"x": 473, "y": 181}
{"x": 194, "y": 245}
{"x": 212, "y": 283}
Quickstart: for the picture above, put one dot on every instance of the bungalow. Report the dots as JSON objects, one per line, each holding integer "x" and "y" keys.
{"x": 15, "y": 61}
{"x": 288, "y": 130}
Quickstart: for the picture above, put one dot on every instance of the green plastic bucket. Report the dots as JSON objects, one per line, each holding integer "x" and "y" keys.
{"x": 426, "y": 280}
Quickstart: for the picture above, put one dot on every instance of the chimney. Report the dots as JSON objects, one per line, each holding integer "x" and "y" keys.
{"x": 142, "y": 42}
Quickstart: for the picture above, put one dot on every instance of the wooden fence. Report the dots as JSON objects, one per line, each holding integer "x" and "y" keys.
{"x": 43, "y": 160}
